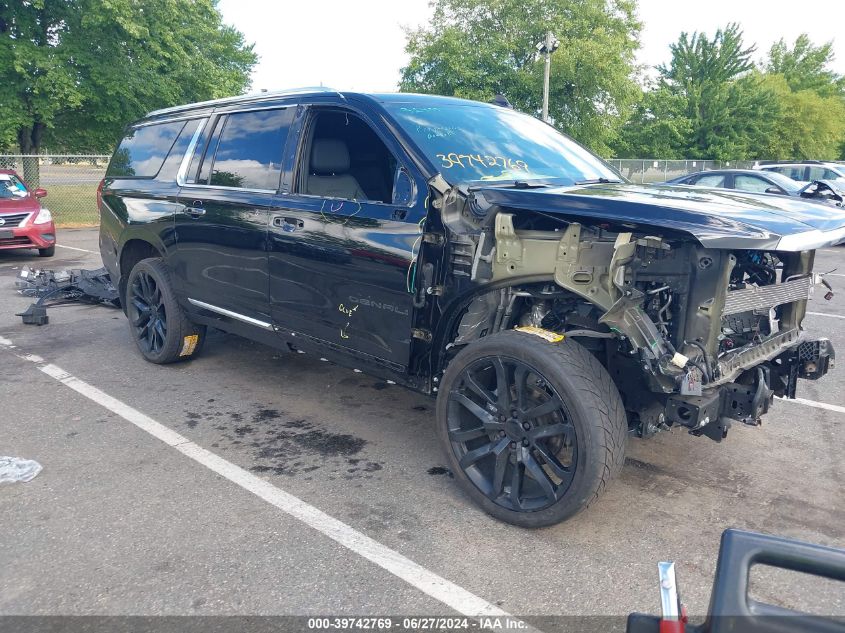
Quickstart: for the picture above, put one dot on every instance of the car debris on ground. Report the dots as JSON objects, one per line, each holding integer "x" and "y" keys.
{"x": 54, "y": 288}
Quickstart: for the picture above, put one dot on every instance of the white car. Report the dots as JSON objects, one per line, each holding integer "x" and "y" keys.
{"x": 806, "y": 171}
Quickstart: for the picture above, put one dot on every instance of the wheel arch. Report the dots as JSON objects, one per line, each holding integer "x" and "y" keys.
{"x": 132, "y": 252}
{"x": 444, "y": 331}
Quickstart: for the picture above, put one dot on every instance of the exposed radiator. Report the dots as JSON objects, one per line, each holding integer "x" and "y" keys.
{"x": 761, "y": 297}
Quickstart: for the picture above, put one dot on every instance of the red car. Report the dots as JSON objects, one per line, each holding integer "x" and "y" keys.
{"x": 24, "y": 223}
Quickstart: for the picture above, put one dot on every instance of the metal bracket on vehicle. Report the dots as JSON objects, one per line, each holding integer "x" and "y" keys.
{"x": 423, "y": 335}
{"x": 509, "y": 245}
{"x": 592, "y": 269}
{"x": 433, "y": 238}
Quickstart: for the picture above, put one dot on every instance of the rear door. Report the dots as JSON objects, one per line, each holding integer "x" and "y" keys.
{"x": 344, "y": 240}
{"x": 139, "y": 194}
{"x": 221, "y": 230}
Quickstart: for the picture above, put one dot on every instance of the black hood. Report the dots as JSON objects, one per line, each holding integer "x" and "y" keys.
{"x": 717, "y": 218}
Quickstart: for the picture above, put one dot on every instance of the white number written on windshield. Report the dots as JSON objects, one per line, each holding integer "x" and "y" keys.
{"x": 484, "y": 161}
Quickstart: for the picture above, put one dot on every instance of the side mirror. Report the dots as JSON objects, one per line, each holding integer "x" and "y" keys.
{"x": 40, "y": 193}
{"x": 774, "y": 190}
{"x": 403, "y": 188}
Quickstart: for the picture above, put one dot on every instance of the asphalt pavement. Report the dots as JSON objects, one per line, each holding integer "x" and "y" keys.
{"x": 120, "y": 522}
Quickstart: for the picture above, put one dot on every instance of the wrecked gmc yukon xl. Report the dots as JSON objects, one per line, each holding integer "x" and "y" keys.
{"x": 470, "y": 252}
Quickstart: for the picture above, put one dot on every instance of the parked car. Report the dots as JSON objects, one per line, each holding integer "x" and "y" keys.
{"x": 823, "y": 191}
{"x": 24, "y": 223}
{"x": 473, "y": 253}
{"x": 743, "y": 180}
{"x": 805, "y": 171}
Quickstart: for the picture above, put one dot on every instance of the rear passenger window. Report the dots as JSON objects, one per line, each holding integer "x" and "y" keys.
{"x": 142, "y": 152}
{"x": 711, "y": 181}
{"x": 249, "y": 152}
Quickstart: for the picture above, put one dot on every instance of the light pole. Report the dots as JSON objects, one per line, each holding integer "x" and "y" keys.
{"x": 547, "y": 47}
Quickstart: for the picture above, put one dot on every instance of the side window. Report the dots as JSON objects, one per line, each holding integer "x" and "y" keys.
{"x": 796, "y": 173}
{"x": 346, "y": 159}
{"x": 174, "y": 160}
{"x": 199, "y": 150}
{"x": 822, "y": 173}
{"x": 249, "y": 152}
{"x": 714, "y": 180}
{"x": 141, "y": 153}
{"x": 751, "y": 183}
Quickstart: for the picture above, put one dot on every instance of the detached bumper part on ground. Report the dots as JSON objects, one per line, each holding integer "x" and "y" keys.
{"x": 54, "y": 288}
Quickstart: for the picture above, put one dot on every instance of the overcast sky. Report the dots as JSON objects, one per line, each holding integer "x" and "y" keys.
{"x": 359, "y": 44}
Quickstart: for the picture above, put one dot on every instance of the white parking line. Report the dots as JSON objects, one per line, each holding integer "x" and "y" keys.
{"x": 817, "y": 405}
{"x": 419, "y": 577}
{"x": 74, "y": 248}
{"x": 824, "y": 314}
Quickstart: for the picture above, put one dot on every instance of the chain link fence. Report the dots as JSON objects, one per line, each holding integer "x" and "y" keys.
{"x": 70, "y": 180}
{"x": 650, "y": 170}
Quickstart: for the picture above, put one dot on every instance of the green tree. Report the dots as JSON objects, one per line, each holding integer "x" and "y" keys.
{"x": 74, "y": 72}
{"x": 728, "y": 108}
{"x": 478, "y": 48}
{"x": 657, "y": 128}
{"x": 808, "y": 125}
{"x": 805, "y": 66}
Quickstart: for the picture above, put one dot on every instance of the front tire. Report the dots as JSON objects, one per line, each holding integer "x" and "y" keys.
{"x": 533, "y": 431}
{"x": 158, "y": 324}
{"x": 47, "y": 252}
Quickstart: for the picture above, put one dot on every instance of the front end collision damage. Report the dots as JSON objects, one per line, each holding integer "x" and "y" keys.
{"x": 693, "y": 336}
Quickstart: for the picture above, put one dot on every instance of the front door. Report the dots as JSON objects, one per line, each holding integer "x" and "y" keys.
{"x": 221, "y": 231}
{"x": 343, "y": 244}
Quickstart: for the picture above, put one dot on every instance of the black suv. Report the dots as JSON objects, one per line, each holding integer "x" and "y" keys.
{"x": 465, "y": 250}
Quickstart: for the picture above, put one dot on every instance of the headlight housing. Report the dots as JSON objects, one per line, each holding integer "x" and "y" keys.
{"x": 44, "y": 216}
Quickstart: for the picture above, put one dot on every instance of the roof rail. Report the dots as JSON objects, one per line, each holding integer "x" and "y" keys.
{"x": 790, "y": 162}
{"x": 256, "y": 96}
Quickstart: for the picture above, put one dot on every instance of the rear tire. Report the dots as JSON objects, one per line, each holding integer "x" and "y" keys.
{"x": 158, "y": 324}
{"x": 47, "y": 252}
{"x": 545, "y": 446}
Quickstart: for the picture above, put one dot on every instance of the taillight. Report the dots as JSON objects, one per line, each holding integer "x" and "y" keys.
{"x": 100, "y": 192}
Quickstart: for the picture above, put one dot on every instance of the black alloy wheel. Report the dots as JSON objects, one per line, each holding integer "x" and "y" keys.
{"x": 159, "y": 326}
{"x": 147, "y": 313}
{"x": 533, "y": 430}
{"x": 512, "y": 433}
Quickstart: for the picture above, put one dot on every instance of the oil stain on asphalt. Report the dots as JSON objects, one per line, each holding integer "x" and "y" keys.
{"x": 288, "y": 446}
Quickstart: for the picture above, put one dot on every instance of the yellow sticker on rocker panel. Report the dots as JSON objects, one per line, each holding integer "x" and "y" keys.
{"x": 551, "y": 337}
{"x": 189, "y": 345}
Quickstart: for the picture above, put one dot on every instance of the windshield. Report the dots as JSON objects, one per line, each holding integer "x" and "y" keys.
{"x": 483, "y": 142}
{"x": 785, "y": 183}
{"x": 11, "y": 187}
